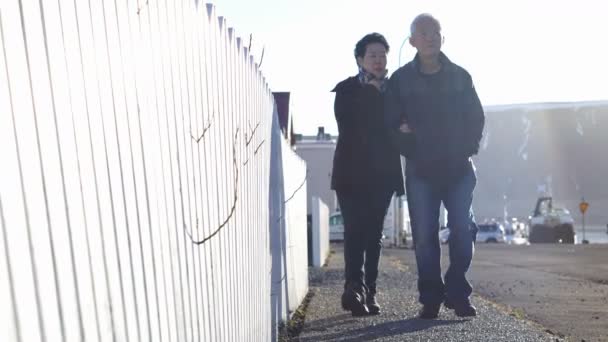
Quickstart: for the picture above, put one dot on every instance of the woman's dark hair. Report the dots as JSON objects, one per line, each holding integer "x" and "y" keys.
{"x": 368, "y": 39}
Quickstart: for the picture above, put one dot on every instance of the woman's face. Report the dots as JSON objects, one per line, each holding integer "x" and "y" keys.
{"x": 374, "y": 60}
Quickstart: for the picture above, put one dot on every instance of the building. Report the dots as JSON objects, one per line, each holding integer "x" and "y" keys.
{"x": 281, "y": 98}
{"x": 540, "y": 149}
{"x": 318, "y": 152}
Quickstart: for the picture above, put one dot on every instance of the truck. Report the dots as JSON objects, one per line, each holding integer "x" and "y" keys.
{"x": 550, "y": 224}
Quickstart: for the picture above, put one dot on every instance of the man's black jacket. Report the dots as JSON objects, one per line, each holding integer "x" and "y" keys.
{"x": 444, "y": 113}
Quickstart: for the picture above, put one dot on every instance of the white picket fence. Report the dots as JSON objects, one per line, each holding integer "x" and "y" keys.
{"x": 288, "y": 236}
{"x": 135, "y": 186}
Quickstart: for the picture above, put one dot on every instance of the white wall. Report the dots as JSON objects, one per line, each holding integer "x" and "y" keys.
{"x": 320, "y": 232}
{"x": 134, "y": 196}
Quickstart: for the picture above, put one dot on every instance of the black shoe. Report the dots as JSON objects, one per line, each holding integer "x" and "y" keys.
{"x": 429, "y": 311}
{"x": 466, "y": 310}
{"x": 353, "y": 300}
{"x": 461, "y": 310}
{"x": 372, "y": 304}
{"x": 360, "y": 311}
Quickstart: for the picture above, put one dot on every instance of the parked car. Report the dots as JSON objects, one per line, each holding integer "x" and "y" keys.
{"x": 444, "y": 234}
{"x": 487, "y": 232}
{"x": 396, "y": 226}
{"x": 490, "y": 232}
{"x": 336, "y": 227}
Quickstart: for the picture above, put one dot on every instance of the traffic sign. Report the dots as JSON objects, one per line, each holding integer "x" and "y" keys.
{"x": 583, "y": 206}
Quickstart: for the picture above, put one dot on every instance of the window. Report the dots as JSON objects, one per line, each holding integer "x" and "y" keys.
{"x": 488, "y": 227}
{"x": 336, "y": 220}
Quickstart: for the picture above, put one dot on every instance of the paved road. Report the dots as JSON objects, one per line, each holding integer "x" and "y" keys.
{"x": 562, "y": 287}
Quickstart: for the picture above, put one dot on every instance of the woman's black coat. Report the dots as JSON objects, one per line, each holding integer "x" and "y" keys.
{"x": 365, "y": 157}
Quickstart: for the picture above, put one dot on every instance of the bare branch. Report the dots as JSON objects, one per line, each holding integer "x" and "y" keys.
{"x": 139, "y": 8}
{"x": 257, "y": 148}
{"x": 261, "y": 58}
{"x": 197, "y": 140}
{"x": 235, "y": 199}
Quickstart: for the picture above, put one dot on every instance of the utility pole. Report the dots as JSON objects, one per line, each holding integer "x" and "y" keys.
{"x": 583, "y": 208}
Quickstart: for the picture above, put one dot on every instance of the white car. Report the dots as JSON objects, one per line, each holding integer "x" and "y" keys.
{"x": 488, "y": 232}
{"x": 336, "y": 227}
{"x": 444, "y": 234}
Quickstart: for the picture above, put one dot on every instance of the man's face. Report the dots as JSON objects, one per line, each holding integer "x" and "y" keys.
{"x": 427, "y": 38}
{"x": 374, "y": 60}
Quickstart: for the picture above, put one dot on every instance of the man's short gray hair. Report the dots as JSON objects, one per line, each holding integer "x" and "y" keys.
{"x": 421, "y": 17}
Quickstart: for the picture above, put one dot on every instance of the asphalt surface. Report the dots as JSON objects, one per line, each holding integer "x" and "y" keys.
{"x": 326, "y": 321}
{"x": 562, "y": 287}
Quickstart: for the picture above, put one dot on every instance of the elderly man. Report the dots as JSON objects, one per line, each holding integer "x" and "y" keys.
{"x": 438, "y": 120}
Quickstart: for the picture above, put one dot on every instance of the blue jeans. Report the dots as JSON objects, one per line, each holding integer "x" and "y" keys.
{"x": 424, "y": 200}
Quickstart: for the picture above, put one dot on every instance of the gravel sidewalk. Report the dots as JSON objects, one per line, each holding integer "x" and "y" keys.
{"x": 326, "y": 321}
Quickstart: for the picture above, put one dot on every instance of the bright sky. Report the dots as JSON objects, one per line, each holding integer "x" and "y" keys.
{"x": 517, "y": 51}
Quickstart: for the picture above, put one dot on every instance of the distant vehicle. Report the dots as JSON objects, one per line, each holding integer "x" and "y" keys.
{"x": 396, "y": 226}
{"x": 491, "y": 233}
{"x": 487, "y": 232}
{"x": 549, "y": 224}
{"x": 444, "y": 234}
{"x": 396, "y": 229}
{"x": 336, "y": 227}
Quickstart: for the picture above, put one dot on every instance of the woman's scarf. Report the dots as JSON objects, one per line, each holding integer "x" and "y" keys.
{"x": 365, "y": 77}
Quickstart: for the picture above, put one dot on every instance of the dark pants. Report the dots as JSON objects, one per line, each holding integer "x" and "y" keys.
{"x": 363, "y": 213}
{"x": 424, "y": 200}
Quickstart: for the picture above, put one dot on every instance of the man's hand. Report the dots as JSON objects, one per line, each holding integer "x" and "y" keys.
{"x": 405, "y": 128}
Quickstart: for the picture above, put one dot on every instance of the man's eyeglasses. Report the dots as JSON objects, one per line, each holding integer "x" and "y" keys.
{"x": 428, "y": 34}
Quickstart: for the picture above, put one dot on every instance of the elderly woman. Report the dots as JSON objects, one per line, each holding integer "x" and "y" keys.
{"x": 366, "y": 172}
